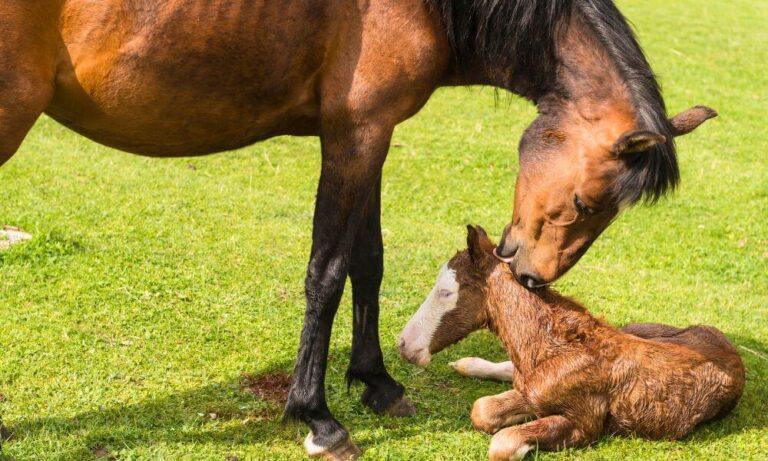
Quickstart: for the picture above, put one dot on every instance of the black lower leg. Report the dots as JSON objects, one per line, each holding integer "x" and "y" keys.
{"x": 366, "y": 272}
{"x": 306, "y": 399}
{"x": 324, "y": 287}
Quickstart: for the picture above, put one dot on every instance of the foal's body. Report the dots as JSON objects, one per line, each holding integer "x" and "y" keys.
{"x": 577, "y": 375}
{"x": 603, "y": 380}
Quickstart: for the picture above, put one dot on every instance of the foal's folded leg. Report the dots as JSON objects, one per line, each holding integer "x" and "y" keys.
{"x": 482, "y": 369}
{"x": 489, "y": 414}
{"x": 550, "y": 433}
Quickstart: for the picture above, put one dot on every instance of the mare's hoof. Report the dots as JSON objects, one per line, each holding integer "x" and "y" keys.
{"x": 401, "y": 407}
{"x": 343, "y": 451}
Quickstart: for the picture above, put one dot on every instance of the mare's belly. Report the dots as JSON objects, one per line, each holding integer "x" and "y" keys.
{"x": 187, "y": 77}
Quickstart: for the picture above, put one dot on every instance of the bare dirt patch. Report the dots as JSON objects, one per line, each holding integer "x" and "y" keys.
{"x": 102, "y": 453}
{"x": 272, "y": 387}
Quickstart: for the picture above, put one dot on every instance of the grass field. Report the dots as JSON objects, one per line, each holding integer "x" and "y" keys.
{"x": 152, "y": 286}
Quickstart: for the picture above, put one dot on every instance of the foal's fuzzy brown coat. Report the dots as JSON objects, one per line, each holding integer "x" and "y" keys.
{"x": 579, "y": 376}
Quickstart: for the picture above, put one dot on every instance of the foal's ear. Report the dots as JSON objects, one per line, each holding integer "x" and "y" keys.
{"x": 478, "y": 243}
{"x": 635, "y": 142}
{"x": 689, "y": 120}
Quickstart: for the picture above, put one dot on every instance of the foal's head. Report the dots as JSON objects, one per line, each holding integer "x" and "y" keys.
{"x": 456, "y": 305}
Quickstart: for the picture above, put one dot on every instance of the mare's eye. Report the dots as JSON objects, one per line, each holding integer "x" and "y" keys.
{"x": 581, "y": 207}
{"x": 445, "y": 293}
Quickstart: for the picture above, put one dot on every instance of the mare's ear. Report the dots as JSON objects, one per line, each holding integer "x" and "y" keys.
{"x": 688, "y": 120}
{"x": 637, "y": 141}
{"x": 479, "y": 245}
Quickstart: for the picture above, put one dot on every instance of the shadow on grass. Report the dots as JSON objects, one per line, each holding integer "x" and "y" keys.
{"x": 230, "y": 413}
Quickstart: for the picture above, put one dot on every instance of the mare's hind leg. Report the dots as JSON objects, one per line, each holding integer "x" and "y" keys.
{"x": 491, "y": 413}
{"x": 27, "y": 68}
{"x": 382, "y": 393}
{"x": 28, "y": 51}
{"x": 475, "y": 367}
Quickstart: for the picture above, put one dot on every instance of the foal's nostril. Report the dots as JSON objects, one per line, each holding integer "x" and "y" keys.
{"x": 401, "y": 343}
{"x": 530, "y": 281}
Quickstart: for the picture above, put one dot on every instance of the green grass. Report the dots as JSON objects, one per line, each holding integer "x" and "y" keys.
{"x": 151, "y": 287}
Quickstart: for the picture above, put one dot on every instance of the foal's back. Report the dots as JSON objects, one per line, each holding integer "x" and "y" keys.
{"x": 672, "y": 379}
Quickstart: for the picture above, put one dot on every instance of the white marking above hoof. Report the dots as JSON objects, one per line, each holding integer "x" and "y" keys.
{"x": 344, "y": 451}
{"x": 312, "y": 449}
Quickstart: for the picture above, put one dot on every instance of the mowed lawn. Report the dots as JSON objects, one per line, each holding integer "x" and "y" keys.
{"x": 152, "y": 287}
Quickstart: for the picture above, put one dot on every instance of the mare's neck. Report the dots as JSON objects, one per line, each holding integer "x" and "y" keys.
{"x": 580, "y": 73}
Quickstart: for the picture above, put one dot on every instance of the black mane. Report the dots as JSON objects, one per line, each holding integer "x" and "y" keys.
{"x": 520, "y": 36}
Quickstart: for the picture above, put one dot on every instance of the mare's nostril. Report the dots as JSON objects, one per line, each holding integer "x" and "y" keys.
{"x": 530, "y": 281}
{"x": 507, "y": 248}
{"x": 503, "y": 252}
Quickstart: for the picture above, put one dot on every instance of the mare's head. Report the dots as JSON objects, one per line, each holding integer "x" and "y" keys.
{"x": 577, "y": 171}
{"x": 602, "y": 140}
{"x": 456, "y": 305}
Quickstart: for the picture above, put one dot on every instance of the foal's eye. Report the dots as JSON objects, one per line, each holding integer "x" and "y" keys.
{"x": 581, "y": 207}
{"x": 445, "y": 293}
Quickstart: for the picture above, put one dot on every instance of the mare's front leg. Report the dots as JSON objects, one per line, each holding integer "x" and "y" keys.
{"x": 382, "y": 393}
{"x": 491, "y": 413}
{"x": 353, "y": 155}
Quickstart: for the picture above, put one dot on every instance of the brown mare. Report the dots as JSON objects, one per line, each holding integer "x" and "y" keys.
{"x": 191, "y": 77}
{"x": 578, "y": 376}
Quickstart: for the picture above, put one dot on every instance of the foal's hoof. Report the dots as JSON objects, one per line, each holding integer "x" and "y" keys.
{"x": 401, "y": 407}
{"x": 343, "y": 451}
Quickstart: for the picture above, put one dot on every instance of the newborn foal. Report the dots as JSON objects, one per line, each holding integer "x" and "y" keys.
{"x": 578, "y": 376}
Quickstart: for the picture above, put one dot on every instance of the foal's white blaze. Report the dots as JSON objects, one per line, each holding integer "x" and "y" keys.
{"x": 417, "y": 334}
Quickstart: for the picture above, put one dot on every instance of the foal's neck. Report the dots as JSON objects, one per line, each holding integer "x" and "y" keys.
{"x": 533, "y": 326}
